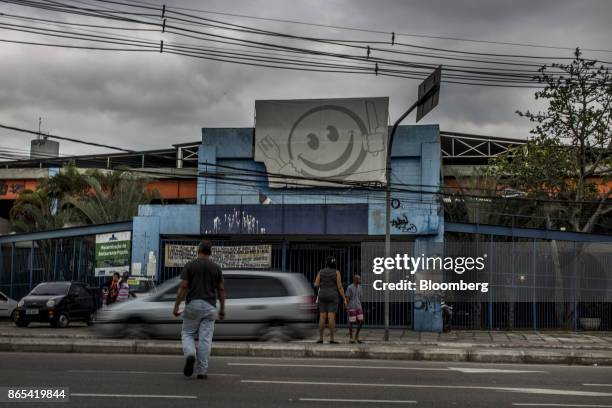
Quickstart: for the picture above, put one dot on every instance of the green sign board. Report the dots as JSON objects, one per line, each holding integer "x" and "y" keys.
{"x": 113, "y": 253}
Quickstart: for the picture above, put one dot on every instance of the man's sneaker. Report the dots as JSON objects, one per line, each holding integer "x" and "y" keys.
{"x": 202, "y": 377}
{"x": 189, "y": 362}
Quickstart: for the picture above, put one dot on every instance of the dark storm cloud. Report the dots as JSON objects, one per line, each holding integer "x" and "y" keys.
{"x": 145, "y": 101}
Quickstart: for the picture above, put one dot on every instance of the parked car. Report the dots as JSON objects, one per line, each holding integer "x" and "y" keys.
{"x": 57, "y": 303}
{"x": 271, "y": 306}
{"x": 7, "y": 306}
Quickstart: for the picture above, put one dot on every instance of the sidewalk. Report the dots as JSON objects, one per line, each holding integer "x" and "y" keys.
{"x": 585, "y": 348}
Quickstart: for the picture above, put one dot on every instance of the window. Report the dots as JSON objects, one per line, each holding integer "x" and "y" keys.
{"x": 3, "y": 298}
{"x": 51, "y": 289}
{"x": 83, "y": 292}
{"x": 242, "y": 287}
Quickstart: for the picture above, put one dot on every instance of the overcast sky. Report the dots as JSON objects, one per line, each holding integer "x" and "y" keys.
{"x": 148, "y": 101}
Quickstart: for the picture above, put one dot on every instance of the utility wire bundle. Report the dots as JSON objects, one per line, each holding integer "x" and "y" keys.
{"x": 107, "y": 25}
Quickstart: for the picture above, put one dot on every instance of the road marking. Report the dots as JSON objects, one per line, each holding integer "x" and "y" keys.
{"x": 147, "y": 372}
{"x": 466, "y": 370}
{"x": 79, "y": 394}
{"x": 535, "y": 404}
{"x": 470, "y": 370}
{"x": 598, "y": 385}
{"x": 334, "y": 366}
{"x": 357, "y": 400}
{"x": 544, "y": 391}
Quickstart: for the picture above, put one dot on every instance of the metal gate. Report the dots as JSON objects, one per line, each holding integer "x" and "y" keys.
{"x": 308, "y": 258}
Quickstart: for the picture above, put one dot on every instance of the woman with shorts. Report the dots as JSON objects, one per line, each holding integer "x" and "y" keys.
{"x": 329, "y": 283}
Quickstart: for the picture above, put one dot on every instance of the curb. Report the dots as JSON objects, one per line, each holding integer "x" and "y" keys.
{"x": 311, "y": 350}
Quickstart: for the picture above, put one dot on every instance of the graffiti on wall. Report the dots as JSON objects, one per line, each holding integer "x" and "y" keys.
{"x": 403, "y": 224}
{"x": 234, "y": 222}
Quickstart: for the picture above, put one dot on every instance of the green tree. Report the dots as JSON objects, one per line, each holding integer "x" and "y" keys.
{"x": 110, "y": 197}
{"x": 563, "y": 168}
{"x": 570, "y": 158}
{"x": 36, "y": 210}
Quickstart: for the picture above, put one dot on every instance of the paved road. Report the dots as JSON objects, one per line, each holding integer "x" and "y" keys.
{"x": 97, "y": 380}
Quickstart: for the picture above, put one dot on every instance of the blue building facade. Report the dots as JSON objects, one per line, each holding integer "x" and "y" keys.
{"x": 236, "y": 203}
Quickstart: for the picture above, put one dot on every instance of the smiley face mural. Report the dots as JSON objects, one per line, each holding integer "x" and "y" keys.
{"x": 335, "y": 140}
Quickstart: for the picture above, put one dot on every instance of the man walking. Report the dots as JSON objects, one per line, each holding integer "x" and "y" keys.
{"x": 201, "y": 284}
{"x": 355, "y": 311}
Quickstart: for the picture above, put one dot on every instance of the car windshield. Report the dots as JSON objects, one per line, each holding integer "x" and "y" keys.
{"x": 54, "y": 288}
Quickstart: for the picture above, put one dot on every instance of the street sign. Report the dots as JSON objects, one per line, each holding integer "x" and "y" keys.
{"x": 429, "y": 90}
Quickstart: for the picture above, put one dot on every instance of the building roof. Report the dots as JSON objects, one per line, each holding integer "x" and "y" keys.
{"x": 457, "y": 148}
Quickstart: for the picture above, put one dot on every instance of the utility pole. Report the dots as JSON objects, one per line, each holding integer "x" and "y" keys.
{"x": 429, "y": 95}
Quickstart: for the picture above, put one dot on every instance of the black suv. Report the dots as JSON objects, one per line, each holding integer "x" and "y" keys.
{"x": 57, "y": 303}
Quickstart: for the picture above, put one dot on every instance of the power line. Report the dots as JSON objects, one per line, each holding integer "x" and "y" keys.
{"x": 363, "y": 30}
{"x": 483, "y": 81}
{"x": 69, "y": 139}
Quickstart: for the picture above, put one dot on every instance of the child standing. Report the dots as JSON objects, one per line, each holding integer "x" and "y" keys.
{"x": 355, "y": 311}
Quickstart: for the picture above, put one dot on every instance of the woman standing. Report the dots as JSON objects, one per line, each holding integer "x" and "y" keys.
{"x": 329, "y": 283}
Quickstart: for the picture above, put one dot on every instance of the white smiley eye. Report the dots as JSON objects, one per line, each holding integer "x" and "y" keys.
{"x": 313, "y": 141}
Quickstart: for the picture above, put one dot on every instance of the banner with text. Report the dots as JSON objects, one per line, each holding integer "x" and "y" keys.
{"x": 228, "y": 257}
{"x": 113, "y": 252}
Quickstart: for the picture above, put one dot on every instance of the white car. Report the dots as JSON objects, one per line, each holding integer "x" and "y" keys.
{"x": 270, "y": 306}
{"x": 7, "y": 306}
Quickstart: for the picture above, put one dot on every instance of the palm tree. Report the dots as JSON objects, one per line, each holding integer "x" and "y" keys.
{"x": 111, "y": 197}
{"x": 37, "y": 210}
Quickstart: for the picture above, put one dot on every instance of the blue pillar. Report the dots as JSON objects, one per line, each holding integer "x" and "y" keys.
{"x": 429, "y": 318}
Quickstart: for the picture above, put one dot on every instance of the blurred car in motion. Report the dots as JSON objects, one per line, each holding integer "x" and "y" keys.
{"x": 140, "y": 286}
{"x": 270, "y": 306}
{"x": 7, "y": 307}
{"x": 57, "y": 303}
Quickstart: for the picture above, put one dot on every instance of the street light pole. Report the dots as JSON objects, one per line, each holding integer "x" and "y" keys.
{"x": 420, "y": 101}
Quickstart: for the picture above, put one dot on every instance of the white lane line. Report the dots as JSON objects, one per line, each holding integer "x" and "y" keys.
{"x": 369, "y": 401}
{"x": 470, "y": 370}
{"x": 80, "y": 394}
{"x": 535, "y": 404}
{"x": 598, "y": 385}
{"x": 147, "y": 372}
{"x": 544, "y": 391}
{"x": 334, "y": 366}
{"x": 465, "y": 370}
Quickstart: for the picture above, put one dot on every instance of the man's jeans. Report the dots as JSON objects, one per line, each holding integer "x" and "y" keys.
{"x": 198, "y": 319}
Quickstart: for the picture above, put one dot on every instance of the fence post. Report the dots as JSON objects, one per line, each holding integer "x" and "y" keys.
{"x": 12, "y": 290}
{"x": 534, "y": 307}
{"x": 284, "y": 256}
{"x": 490, "y": 282}
{"x": 78, "y": 268}
{"x": 575, "y": 291}
{"x": 55, "y": 261}
{"x": 31, "y": 263}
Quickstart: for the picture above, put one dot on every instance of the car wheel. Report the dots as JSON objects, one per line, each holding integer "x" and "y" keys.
{"x": 14, "y": 316}
{"x": 62, "y": 321}
{"x": 275, "y": 333}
